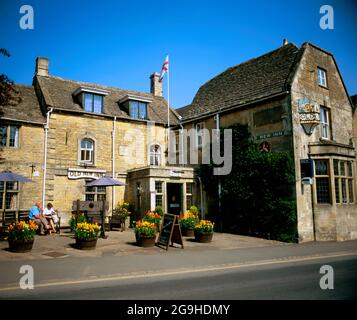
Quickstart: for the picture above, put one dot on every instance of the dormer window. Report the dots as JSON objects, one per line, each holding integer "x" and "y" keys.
{"x": 135, "y": 106}
{"x": 93, "y": 102}
{"x": 91, "y": 99}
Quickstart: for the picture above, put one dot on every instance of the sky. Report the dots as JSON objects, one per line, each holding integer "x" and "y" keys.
{"x": 120, "y": 43}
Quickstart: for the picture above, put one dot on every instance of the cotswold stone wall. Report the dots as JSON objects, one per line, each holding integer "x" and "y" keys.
{"x": 20, "y": 160}
{"x": 329, "y": 221}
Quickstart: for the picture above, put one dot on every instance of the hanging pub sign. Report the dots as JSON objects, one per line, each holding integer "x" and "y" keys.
{"x": 309, "y": 114}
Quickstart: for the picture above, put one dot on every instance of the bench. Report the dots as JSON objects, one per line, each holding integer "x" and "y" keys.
{"x": 117, "y": 220}
{"x": 7, "y": 218}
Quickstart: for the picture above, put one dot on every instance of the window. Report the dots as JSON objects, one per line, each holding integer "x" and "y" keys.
{"x": 87, "y": 151}
{"x": 95, "y": 193}
{"x": 138, "y": 110}
{"x": 322, "y": 181}
{"x": 8, "y": 195}
{"x": 9, "y": 136}
{"x": 155, "y": 155}
{"x": 189, "y": 189}
{"x": 321, "y": 77}
{"x": 343, "y": 181}
{"x": 93, "y": 102}
{"x": 199, "y": 134}
{"x": 158, "y": 195}
{"x": 325, "y": 123}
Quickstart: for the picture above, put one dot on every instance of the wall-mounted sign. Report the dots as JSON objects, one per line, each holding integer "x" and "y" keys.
{"x": 36, "y": 173}
{"x": 309, "y": 114}
{"x": 74, "y": 173}
{"x": 270, "y": 135}
{"x": 175, "y": 173}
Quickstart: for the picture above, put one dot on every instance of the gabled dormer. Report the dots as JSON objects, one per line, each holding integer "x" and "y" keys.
{"x": 91, "y": 99}
{"x": 135, "y": 106}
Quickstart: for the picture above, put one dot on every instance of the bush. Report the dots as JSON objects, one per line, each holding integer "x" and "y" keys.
{"x": 194, "y": 209}
{"x": 189, "y": 220}
{"x": 152, "y": 217}
{"x": 159, "y": 211}
{"x": 145, "y": 229}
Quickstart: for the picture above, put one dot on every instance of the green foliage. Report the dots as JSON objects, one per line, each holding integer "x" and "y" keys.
{"x": 159, "y": 211}
{"x": 122, "y": 211}
{"x": 194, "y": 209}
{"x": 258, "y": 194}
{"x": 189, "y": 220}
{"x": 73, "y": 221}
{"x": 145, "y": 229}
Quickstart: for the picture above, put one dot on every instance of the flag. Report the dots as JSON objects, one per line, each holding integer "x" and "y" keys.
{"x": 165, "y": 68}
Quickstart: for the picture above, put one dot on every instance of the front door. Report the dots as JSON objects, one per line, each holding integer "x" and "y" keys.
{"x": 174, "y": 198}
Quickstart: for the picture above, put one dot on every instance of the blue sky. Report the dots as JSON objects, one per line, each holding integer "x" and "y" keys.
{"x": 121, "y": 42}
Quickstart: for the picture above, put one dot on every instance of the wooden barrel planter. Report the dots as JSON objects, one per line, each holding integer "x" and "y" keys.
{"x": 203, "y": 237}
{"x": 188, "y": 232}
{"x": 20, "y": 245}
{"x": 88, "y": 244}
{"x": 145, "y": 242}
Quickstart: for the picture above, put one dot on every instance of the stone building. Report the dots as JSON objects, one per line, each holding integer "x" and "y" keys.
{"x": 65, "y": 133}
{"x": 293, "y": 99}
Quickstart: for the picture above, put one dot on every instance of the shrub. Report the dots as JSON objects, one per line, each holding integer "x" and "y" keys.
{"x": 159, "y": 211}
{"x": 22, "y": 230}
{"x": 194, "y": 209}
{"x": 189, "y": 220}
{"x": 152, "y": 217}
{"x": 145, "y": 229}
{"x": 204, "y": 226}
{"x": 87, "y": 231}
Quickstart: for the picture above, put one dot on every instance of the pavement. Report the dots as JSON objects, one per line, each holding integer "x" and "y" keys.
{"x": 123, "y": 243}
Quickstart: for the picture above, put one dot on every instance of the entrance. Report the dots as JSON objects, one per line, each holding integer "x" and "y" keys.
{"x": 174, "y": 198}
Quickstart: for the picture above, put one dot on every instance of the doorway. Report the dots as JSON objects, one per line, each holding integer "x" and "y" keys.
{"x": 174, "y": 198}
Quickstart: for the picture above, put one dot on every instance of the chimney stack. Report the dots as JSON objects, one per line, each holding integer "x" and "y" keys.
{"x": 41, "y": 66}
{"x": 285, "y": 42}
{"x": 155, "y": 85}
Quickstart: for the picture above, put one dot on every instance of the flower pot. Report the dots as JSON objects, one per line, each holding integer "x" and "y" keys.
{"x": 187, "y": 232}
{"x": 20, "y": 245}
{"x": 86, "y": 244}
{"x": 203, "y": 237}
{"x": 145, "y": 242}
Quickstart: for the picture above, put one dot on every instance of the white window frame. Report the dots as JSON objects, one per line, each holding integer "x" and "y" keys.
{"x": 325, "y": 123}
{"x": 199, "y": 133}
{"x": 8, "y": 136}
{"x": 155, "y": 155}
{"x": 91, "y": 152}
{"x": 322, "y": 77}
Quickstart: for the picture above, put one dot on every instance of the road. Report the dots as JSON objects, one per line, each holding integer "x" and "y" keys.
{"x": 295, "y": 277}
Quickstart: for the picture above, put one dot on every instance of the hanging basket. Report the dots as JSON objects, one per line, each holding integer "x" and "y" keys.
{"x": 20, "y": 245}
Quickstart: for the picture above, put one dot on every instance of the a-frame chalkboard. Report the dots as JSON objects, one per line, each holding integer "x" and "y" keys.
{"x": 170, "y": 231}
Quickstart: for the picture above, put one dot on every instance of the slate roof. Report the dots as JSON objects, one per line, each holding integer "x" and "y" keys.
{"x": 267, "y": 75}
{"x": 58, "y": 94}
{"x": 27, "y": 109}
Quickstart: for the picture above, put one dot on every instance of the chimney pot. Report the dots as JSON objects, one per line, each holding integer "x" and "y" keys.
{"x": 41, "y": 66}
{"x": 285, "y": 42}
{"x": 155, "y": 85}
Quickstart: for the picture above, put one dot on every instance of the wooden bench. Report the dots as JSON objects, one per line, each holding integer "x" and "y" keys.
{"x": 7, "y": 218}
{"x": 117, "y": 220}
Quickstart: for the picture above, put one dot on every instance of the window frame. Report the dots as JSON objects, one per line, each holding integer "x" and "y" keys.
{"x": 325, "y": 125}
{"x": 135, "y": 113}
{"x": 5, "y": 191}
{"x": 80, "y": 149}
{"x": 8, "y": 138}
{"x": 189, "y": 195}
{"x": 344, "y": 180}
{"x": 159, "y": 194}
{"x": 199, "y": 134}
{"x": 155, "y": 155}
{"x": 92, "y": 102}
{"x": 95, "y": 192}
{"x": 319, "y": 177}
{"x": 323, "y": 72}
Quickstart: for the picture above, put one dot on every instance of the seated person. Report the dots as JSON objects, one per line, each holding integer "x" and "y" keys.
{"x": 51, "y": 216}
{"x": 36, "y": 215}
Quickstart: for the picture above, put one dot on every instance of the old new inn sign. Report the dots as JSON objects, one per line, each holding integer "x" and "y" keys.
{"x": 309, "y": 114}
{"x": 85, "y": 173}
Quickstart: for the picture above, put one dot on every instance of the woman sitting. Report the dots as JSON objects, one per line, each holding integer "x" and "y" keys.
{"x": 51, "y": 217}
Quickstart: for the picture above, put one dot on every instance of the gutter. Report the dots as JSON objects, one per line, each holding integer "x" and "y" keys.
{"x": 46, "y": 127}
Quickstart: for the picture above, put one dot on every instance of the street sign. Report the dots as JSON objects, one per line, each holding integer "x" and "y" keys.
{"x": 170, "y": 231}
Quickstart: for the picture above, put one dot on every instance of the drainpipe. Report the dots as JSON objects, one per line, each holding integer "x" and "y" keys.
{"x": 202, "y": 213}
{"x": 219, "y": 179}
{"x": 181, "y": 140}
{"x": 113, "y": 160}
{"x": 46, "y": 127}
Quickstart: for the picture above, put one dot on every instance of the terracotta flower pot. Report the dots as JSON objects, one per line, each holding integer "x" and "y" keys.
{"x": 145, "y": 242}
{"x": 203, "y": 237}
{"x": 86, "y": 244}
{"x": 20, "y": 245}
{"x": 188, "y": 232}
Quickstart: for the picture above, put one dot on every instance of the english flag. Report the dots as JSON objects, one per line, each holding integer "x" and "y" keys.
{"x": 165, "y": 68}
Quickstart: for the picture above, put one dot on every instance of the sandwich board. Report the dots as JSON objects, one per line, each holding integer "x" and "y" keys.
{"x": 170, "y": 232}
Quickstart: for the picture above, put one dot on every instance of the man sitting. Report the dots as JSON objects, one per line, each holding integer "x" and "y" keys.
{"x": 36, "y": 215}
